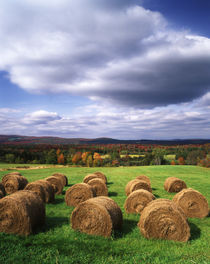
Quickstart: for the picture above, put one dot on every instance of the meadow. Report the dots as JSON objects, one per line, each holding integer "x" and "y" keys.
{"x": 57, "y": 242}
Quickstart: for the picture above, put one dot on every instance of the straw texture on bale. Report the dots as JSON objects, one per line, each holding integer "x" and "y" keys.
{"x": 162, "y": 219}
{"x": 62, "y": 176}
{"x": 137, "y": 201}
{"x": 99, "y": 187}
{"x": 21, "y": 213}
{"x": 97, "y": 216}
{"x": 136, "y": 184}
{"x": 2, "y": 189}
{"x": 192, "y": 202}
{"x": 56, "y": 184}
{"x": 13, "y": 183}
{"x": 101, "y": 176}
{"x": 92, "y": 176}
{"x": 144, "y": 178}
{"x": 37, "y": 188}
{"x": 78, "y": 193}
{"x": 14, "y": 173}
{"x": 173, "y": 184}
{"x": 49, "y": 191}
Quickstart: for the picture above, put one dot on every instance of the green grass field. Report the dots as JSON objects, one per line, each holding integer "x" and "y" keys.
{"x": 56, "y": 242}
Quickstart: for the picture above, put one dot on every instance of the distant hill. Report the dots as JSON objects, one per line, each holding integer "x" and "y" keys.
{"x": 18, "y": 140}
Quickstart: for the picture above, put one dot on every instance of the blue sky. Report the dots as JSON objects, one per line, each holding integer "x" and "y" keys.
{"x": 96, "y": 68}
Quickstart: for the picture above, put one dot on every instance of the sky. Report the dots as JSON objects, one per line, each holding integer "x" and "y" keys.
{"x": 125, "y": 69}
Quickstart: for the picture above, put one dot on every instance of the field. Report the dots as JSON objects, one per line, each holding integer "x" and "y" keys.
{"x": 56, "y": 242}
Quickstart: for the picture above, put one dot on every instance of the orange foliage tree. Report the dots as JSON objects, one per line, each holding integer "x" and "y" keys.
{"x": 61, "y": 159}
{"x": 181, "y": 161}
{"x": 77, "y": 157}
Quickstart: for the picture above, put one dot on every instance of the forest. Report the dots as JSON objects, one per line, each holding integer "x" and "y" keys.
{"x": 107, "y": 155}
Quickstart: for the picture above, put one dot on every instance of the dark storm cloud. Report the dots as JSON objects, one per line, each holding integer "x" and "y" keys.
{"x": 106, "y": 50}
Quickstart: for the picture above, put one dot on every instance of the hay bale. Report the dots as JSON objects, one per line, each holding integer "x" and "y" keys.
{"x": 56, "y": 183}
{"x": 13, "y": 183}
{"x": 136, "y": 184}
{"x": 101, "y": 176}
{"x": 63, "y": 176}
{"x": 162, "y": 219}
{"x": 2, "y": 189}
{"x": 99, "y": 187}
{"x": 92, "y": 176}
{"x": 144, "y": 178}
{"x": 173, "y": 184}
{"x": 97, "y": 216}
{"x": 49, "y": 191}
{"x": 21, "y": 213}
{"x": 192, "y": 202}
{"x": 79, "y": 193}
{"x": 137, "y": 201}
{"x": 14, "y": 173}
{"x": 37, "y": 188}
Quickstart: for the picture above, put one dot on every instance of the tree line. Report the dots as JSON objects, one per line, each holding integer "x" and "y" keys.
{"x": 107, "y": 155}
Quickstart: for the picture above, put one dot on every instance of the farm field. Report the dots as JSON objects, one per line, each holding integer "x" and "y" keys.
{"x": 56, "y": 242}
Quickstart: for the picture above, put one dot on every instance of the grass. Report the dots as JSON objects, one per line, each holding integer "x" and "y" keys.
{"x": 56, "y": 242}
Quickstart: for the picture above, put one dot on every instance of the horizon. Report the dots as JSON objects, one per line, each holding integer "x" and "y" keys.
{"x": 105, "y": 69}
{"x": 125, "y": 139}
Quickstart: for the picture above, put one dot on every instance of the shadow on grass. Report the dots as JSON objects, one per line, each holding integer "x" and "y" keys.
{"x": 154, "y": 189}
{"x": 156, "y": 195}
{"x": 54, "y": 221}
{"x": 128, "y": 226}
{"x": 195, "y": 231}
{"x": 112, "y": 194}
{"x": 58, "y": 200}
{"x": 109, "y": 183}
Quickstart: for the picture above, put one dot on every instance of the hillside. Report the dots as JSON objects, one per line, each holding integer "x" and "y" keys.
{"x": 16, "y": 140}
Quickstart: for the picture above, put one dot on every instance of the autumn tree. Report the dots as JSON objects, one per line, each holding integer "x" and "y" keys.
{"x": 77, "y": 157}
{"x": 89, "y": 161}
{"x": 61, "y": 159}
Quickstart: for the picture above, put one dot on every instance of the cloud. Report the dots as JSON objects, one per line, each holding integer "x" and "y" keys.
{"x": 40, "y": 117}
{"x": 106, "y": 50}
{"x": 186, "y": 120}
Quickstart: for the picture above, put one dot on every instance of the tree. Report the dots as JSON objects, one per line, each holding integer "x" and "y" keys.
{"x": 51, "y": 157}
{"x": 77, "y": 157}
{"x": 61, "y": 159}
{"x": 181, "y": 161}
{"x": 89, "y": 161}
{"x": 10, "y": 158}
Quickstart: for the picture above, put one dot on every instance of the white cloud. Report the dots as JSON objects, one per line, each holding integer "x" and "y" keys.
{"x": 115, "y": 51}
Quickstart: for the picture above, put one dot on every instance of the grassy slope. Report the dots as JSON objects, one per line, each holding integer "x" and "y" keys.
{"x": 58, "y": 243}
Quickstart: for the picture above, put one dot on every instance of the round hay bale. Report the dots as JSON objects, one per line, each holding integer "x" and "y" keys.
{"x": 97, "y": 216}
{"x": 2, "y": 189}
{"x": 101, "y": 176}
{"x": 21, "y": 213}
{"x": 99, "y": 187}
{"x": 137, "y": 201}
{"x": 144, "y": 178}
{"x": 63, "y": 176}
{"x": 49, "y": 191}
{"x": 140, "y": 185}
{"x": 162, "y": 219}
{"x": 37, "y": 188}
{"x": 78, "y": 193}
{"x": 93, "y": 176}
{"x": 136, "y": 184}
{"x": 173, "y": 184}
{"x": 56, "y": 184}
{"x": 14, "y": 173}
{"x": 13, "y": 183}
{"x": 192, "y": 202}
